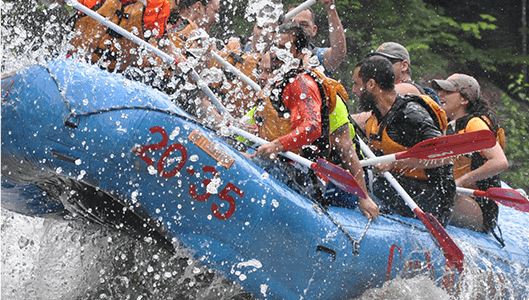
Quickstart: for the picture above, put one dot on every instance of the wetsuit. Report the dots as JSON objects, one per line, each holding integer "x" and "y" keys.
{"x": 406, "y": 124}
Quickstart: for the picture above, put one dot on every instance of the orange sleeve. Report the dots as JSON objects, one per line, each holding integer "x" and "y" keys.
{"x": 302, "y": 97}
{"x": 476, "y": 124}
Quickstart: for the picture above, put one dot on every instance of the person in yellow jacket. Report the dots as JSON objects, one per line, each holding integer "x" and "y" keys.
{"x": 460, "y": 97}
{"x": 398, "y": 123}
{"x": 342, "y": 148}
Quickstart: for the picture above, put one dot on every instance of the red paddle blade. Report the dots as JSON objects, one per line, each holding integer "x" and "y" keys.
{"x": 450, "y": 145}
{"x": 507, "y": 197}
{"x": 453, "y": 254}
{"x": 340, "y": 177}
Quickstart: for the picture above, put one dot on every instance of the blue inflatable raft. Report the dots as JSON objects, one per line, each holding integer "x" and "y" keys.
{"x": 120, "y": 153}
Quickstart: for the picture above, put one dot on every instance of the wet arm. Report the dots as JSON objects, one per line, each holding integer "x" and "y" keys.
{"x": 336, "y": 53}
{"x": 496, "y": 163}
{"x": 341, "y": 139}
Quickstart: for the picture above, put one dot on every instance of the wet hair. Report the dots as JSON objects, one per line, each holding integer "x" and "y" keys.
{"x": 309, "y": 9}
{"x": 302, "y": 37}
{"x": 380, "y": 69}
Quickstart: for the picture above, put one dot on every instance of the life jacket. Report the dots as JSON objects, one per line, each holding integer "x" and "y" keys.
{"x": 110, "y": 49}
{"x": 181, "y": 33}
{"x": 331, "y": 87}
{"x": 273, "y": 119}
{"x": 465, "y": 163}
{"x": 237, "y": 94}
{"x": 425, "y": 90}
{"x": 381, "y": 141}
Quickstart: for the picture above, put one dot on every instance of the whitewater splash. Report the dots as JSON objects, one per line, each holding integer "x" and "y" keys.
{"x": 70, "y": 258}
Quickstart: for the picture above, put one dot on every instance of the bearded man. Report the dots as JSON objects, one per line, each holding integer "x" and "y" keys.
{"x": 398, "y": 123}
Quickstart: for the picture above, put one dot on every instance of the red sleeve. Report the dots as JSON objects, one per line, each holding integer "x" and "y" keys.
{"x": 155, "y": 15}
{"x": 302, "y": 97}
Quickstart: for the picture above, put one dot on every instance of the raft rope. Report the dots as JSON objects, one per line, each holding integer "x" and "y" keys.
{"x": 75, "y": 123}
{"x": 74, "y": 115}
{"x": 356, "y": 243}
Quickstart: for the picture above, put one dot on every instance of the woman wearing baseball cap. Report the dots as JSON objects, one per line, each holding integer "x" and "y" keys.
{"x": 460, "y": 97}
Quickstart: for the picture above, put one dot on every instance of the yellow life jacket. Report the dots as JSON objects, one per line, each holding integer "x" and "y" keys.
{"x": 388, "y": 146}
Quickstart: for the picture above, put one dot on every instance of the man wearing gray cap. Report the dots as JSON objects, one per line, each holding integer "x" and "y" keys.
{"x": 399, "y": 57}
{"x": 460, "y": 97}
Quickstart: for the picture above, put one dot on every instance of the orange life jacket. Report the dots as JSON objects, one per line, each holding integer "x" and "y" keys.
{"x": 107, "y": 47}
{"x": 237, "y": 94}
{"x": 465, "y": 163}
{"x": 388, "y": 146}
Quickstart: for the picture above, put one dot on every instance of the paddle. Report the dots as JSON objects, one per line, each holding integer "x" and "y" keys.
{"x": 340, "y": 177}
{"x": 441, "y": 147}
{"x": 299, "y": 9}
{"x": 451, "y": 251}
{"x": 235, "y": 71}
{"x": 507, "y": 197}
{"x": 153, "y": 49}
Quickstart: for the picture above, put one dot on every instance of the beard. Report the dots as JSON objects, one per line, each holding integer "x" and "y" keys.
{"x": 367, "y": 102}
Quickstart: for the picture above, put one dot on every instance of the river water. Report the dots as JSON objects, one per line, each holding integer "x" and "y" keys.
{"x": 65, "y": 257}
{"x": 69, "y": 258}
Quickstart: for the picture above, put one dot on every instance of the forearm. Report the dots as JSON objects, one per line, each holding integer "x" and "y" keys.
{"x": 495, "y": 164}
{"x": 350, "y": 159}
{"x": 302, "y": 135}
{"x": 336, "y": 53}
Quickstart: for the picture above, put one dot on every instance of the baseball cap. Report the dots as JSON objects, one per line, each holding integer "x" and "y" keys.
{"x": 392, "y": 50}
{"x": 468, "y": 86}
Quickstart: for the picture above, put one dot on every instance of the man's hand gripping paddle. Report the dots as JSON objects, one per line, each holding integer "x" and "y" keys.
{"x": 453, "y": 254}
{"x": 343, "y": 179}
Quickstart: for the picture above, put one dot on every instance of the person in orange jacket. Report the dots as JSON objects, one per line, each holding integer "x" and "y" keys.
{"x": 460, "y": 97}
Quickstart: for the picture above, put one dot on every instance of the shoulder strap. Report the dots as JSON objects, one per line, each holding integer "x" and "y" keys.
{"x": 433, "y": 108}
{"x": 389, "y": 117}
{"x": 499, "y": 133}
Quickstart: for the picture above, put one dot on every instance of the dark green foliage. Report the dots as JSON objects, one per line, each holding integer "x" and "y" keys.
{"x": 516, "y": 126}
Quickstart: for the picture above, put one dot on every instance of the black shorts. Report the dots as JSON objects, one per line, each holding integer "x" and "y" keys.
{"x": 434, "y": 196}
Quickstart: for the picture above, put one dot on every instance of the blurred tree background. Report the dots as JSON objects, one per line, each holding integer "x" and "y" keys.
{"x": 483, "y": 38}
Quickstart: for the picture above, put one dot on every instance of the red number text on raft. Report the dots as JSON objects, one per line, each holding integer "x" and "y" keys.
{"x": 223, "y": 195}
